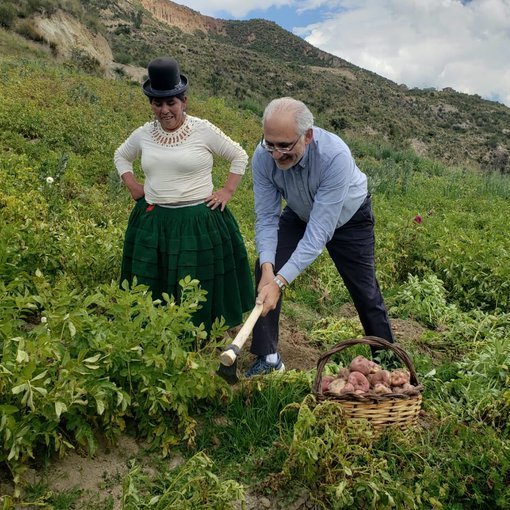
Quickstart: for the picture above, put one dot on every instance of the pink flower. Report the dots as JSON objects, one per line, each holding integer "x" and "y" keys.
{"x": 418, "y": 219}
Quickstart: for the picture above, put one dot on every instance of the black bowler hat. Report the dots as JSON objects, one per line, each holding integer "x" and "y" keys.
{"x": 165, "y": 79}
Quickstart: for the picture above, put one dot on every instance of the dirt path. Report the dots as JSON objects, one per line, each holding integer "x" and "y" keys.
{"x": 294, "y": 348}
{"x": 298, "y": 353}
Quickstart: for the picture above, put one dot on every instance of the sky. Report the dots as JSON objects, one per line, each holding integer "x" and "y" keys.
{"x": 463, "y": 44}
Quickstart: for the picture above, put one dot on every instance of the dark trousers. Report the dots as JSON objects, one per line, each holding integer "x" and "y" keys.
{"x": 352, "y": 251}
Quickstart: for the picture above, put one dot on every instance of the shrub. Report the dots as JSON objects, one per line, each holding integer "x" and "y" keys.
{"x": 77, "y": 364}
{"x": 26, "y": 29}
{"x": 479, "y": 390}
{"x": 123, "y": 57}
{"x": 84, "y": 61}
{"x": 424, "y": 300}
{"x": 342, "y": 465}
{"x": 8, "y": 15}
{"x": 192, "y": 486}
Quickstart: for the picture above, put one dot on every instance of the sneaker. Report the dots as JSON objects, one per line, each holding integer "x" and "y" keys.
{"x": 263, "y": 367}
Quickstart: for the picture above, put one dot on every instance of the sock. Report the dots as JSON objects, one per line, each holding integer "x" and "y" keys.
{"x": 272, "y": 358}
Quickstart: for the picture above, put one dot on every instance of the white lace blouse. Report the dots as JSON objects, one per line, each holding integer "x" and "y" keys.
{"x": 178, "y": 165}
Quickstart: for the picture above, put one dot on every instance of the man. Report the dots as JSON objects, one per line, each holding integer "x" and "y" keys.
{"x": 327, "y": 205}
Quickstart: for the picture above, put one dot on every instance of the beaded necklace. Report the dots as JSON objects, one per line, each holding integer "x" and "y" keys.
{"x": 173, "y": 138}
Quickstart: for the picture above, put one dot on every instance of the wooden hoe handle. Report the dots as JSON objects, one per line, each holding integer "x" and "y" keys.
{"x": 229, "y": 355}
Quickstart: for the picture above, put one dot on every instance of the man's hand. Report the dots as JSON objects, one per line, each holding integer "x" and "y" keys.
{"x": 268, "y": 291}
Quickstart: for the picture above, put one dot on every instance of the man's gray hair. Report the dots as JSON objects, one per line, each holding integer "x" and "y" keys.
{"x": 303, "y": 116}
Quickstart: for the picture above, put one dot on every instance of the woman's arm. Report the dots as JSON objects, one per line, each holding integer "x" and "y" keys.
{"x": 134, "y": 187}
{"x": 123, "y": 159}
{"x": 222, "y": 196}
{"x": 225, "y": 147}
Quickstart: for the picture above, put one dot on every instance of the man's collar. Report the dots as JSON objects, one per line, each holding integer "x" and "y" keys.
{"x": 304, "y": 160}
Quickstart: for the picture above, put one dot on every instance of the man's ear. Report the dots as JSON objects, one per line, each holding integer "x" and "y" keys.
{"x": 308, "y": 136}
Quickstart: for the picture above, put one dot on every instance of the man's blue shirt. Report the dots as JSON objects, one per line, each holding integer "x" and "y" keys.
{"x": 325, "y": 188}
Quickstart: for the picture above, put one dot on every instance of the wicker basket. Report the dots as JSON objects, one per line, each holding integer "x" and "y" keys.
{"x": 391, "y": 409}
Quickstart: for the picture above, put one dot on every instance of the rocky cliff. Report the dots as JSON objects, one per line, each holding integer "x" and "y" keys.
{"x": 67, "y": 35}
{"x": 181, "y": 17}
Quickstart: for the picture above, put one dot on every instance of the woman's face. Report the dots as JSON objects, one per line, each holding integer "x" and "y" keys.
{"x": 169, "y": 111}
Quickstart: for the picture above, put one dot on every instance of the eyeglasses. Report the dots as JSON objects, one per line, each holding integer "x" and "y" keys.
{"x": 284, "y": 149}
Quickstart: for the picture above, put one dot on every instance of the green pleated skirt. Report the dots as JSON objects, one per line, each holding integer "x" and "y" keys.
{"x": 163, "y": 245}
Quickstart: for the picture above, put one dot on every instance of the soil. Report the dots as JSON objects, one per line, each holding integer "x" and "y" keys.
{"x": 100, "y": 477}
{"x": 295, "y": 350}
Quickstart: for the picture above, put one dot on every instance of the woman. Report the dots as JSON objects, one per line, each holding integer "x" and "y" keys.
{"x": 179, "y": 225}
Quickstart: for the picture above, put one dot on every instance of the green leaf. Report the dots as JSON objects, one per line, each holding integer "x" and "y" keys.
{"x": 19, "y": 388}
{"x": 8, "y": 409}
{"x": 22, "y": 357}
{"x": 100, "y": 407}
{"x": 40, "y": 376}
{"x": 92, "y": 359}
{"x": 60, "y": 408}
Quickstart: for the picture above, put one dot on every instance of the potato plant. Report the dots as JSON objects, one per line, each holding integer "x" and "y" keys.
{"x": 75, "y": 364}
{"x": 479, "y": 388}
{"x": 192, "y": 486}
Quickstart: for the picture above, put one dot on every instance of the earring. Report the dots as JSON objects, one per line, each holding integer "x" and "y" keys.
{"x": 155, "y": 122}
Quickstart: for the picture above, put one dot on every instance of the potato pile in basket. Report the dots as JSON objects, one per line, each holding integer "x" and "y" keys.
{"x": 367, "y": 377}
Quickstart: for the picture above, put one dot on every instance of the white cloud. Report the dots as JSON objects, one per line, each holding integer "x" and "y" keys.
{"x": 423, "y": 43}
{"x": 236, "y": 8}
{"x": 463, "y": 44}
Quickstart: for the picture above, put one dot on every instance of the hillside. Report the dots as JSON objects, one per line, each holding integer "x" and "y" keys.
{"x": 250, "y": 62}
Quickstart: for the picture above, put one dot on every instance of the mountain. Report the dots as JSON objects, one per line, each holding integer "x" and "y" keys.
{"x": 250, "y": 62}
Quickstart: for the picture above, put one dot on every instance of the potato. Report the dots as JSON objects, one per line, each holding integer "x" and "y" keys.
{"x": 325, "y": 382}
{"x": 336, "y": 385}
{"x": 379, "y": 377}
{"x": 343, "y": 373}
{"x": 374, "y": 367}
{"x": 348, "y": 388}
{"x": 399, "y": 377}
{"x": 408, "y": 387}
{"x": 359, "y": 381}
{"x": 360, "y": 364}
{"x": 381, "y": 389}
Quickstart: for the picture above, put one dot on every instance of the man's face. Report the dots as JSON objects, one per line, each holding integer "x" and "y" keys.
{"x": 280, "y": 130}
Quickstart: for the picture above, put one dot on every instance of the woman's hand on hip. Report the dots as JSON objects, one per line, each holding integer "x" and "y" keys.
{"x": 134, "y": 187}
{"x": 137, "y": 191}
{"x": 219, "y": 198}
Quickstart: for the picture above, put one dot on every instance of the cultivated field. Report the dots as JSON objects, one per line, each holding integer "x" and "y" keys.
{"x": 109, "y": 400}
